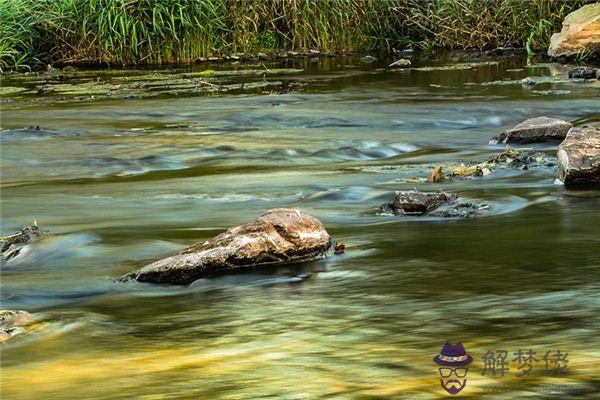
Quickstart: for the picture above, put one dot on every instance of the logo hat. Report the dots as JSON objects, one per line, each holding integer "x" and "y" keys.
{"x": 453, "y": 355}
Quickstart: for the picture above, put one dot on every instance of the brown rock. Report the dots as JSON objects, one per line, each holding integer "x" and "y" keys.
{"x": 540, "y": 129}
{"x": 579, "y": 156}
{"x": 580, "y": 33}
{"x": 281, "y": 235}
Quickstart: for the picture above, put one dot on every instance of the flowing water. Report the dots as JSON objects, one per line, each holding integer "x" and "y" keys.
{"x": 123, "y": 173}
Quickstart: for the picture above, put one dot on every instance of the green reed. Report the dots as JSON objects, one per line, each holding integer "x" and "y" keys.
{"x": 134, "y": 32}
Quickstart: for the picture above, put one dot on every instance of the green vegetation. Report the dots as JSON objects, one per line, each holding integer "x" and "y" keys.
{"x": 133, "y": 32}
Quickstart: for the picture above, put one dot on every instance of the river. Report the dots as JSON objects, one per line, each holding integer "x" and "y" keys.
{"x": 124, "y": 173}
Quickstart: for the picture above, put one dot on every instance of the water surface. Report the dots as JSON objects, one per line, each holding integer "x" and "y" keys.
{"x": 122, "y": 177}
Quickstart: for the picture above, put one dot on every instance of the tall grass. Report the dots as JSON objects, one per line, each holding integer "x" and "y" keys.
{"x": 483, "y": 24}
{"x": 130, "y": 32}
{"x": 19, "y": 25}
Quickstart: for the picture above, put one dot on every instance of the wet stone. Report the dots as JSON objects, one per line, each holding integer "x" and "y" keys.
{"x": 434, "y": 204}
{"x": 416, "y": 202}
{"x": 461, "y": 210}
{"x": 533, "y": 130}
{"x": 579, "y": 156}
{"x": 401, "y": 63}
{"x": 12, "y": 244}
{"x": 368, "y": 59}
{"x": 406, "y": 53}
{"x": 280, "y": 236}
{"x": 527, "y": 82}
{"x": 583, "y": 73}
{"x": 517, "y": 158}
{"x": 12, "y": 323}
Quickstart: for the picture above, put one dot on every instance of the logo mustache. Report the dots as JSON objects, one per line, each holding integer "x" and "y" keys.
{"x": 453, "y": 382}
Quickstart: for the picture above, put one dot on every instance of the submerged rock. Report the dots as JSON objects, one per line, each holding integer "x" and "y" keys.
{"x": 401, "y": 63}
{"x": 12, "y": 244}
{"x": 460, "y": 210}
{"x": 339, "y": 248}
{"x": 516, "y": 158}
{"x": 281, "y": 235}
{"x": 30, "y": 132}
{"x": 580, "y": 33}
{"x": 508, "y": 159}
{"x": 579, "y": 156}
{"x": 368, "y": 59}
{"x": 534, "y": 130}
{"x": 414, "y": 202}
{"x": 528, "y": 81}
{"x": 582, "y": 73}
{"x": 438, "y": 204}
{"x": 406, "y": 53}
{"x": 12, "y": 323}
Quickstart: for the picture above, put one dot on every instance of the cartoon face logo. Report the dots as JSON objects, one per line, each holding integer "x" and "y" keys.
{"x": 452, "y": 361}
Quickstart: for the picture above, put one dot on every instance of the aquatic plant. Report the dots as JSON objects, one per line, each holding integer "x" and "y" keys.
{"x": 129, "y": 32}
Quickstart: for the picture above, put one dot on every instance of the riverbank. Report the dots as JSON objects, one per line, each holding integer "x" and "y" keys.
{"x": 150, "y": 32}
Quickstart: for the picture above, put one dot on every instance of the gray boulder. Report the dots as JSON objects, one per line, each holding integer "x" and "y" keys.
{"x": 579, "y": 156}
{"x": 540, "y": 129}
{"x": 279, "y": 236}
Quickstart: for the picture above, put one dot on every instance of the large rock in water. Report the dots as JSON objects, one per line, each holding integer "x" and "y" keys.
{"x": 579, "y": 156}
{"x": 580, "y": 33}
{"x": 540, "y": 129}
{"x": 281, "y": 235}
